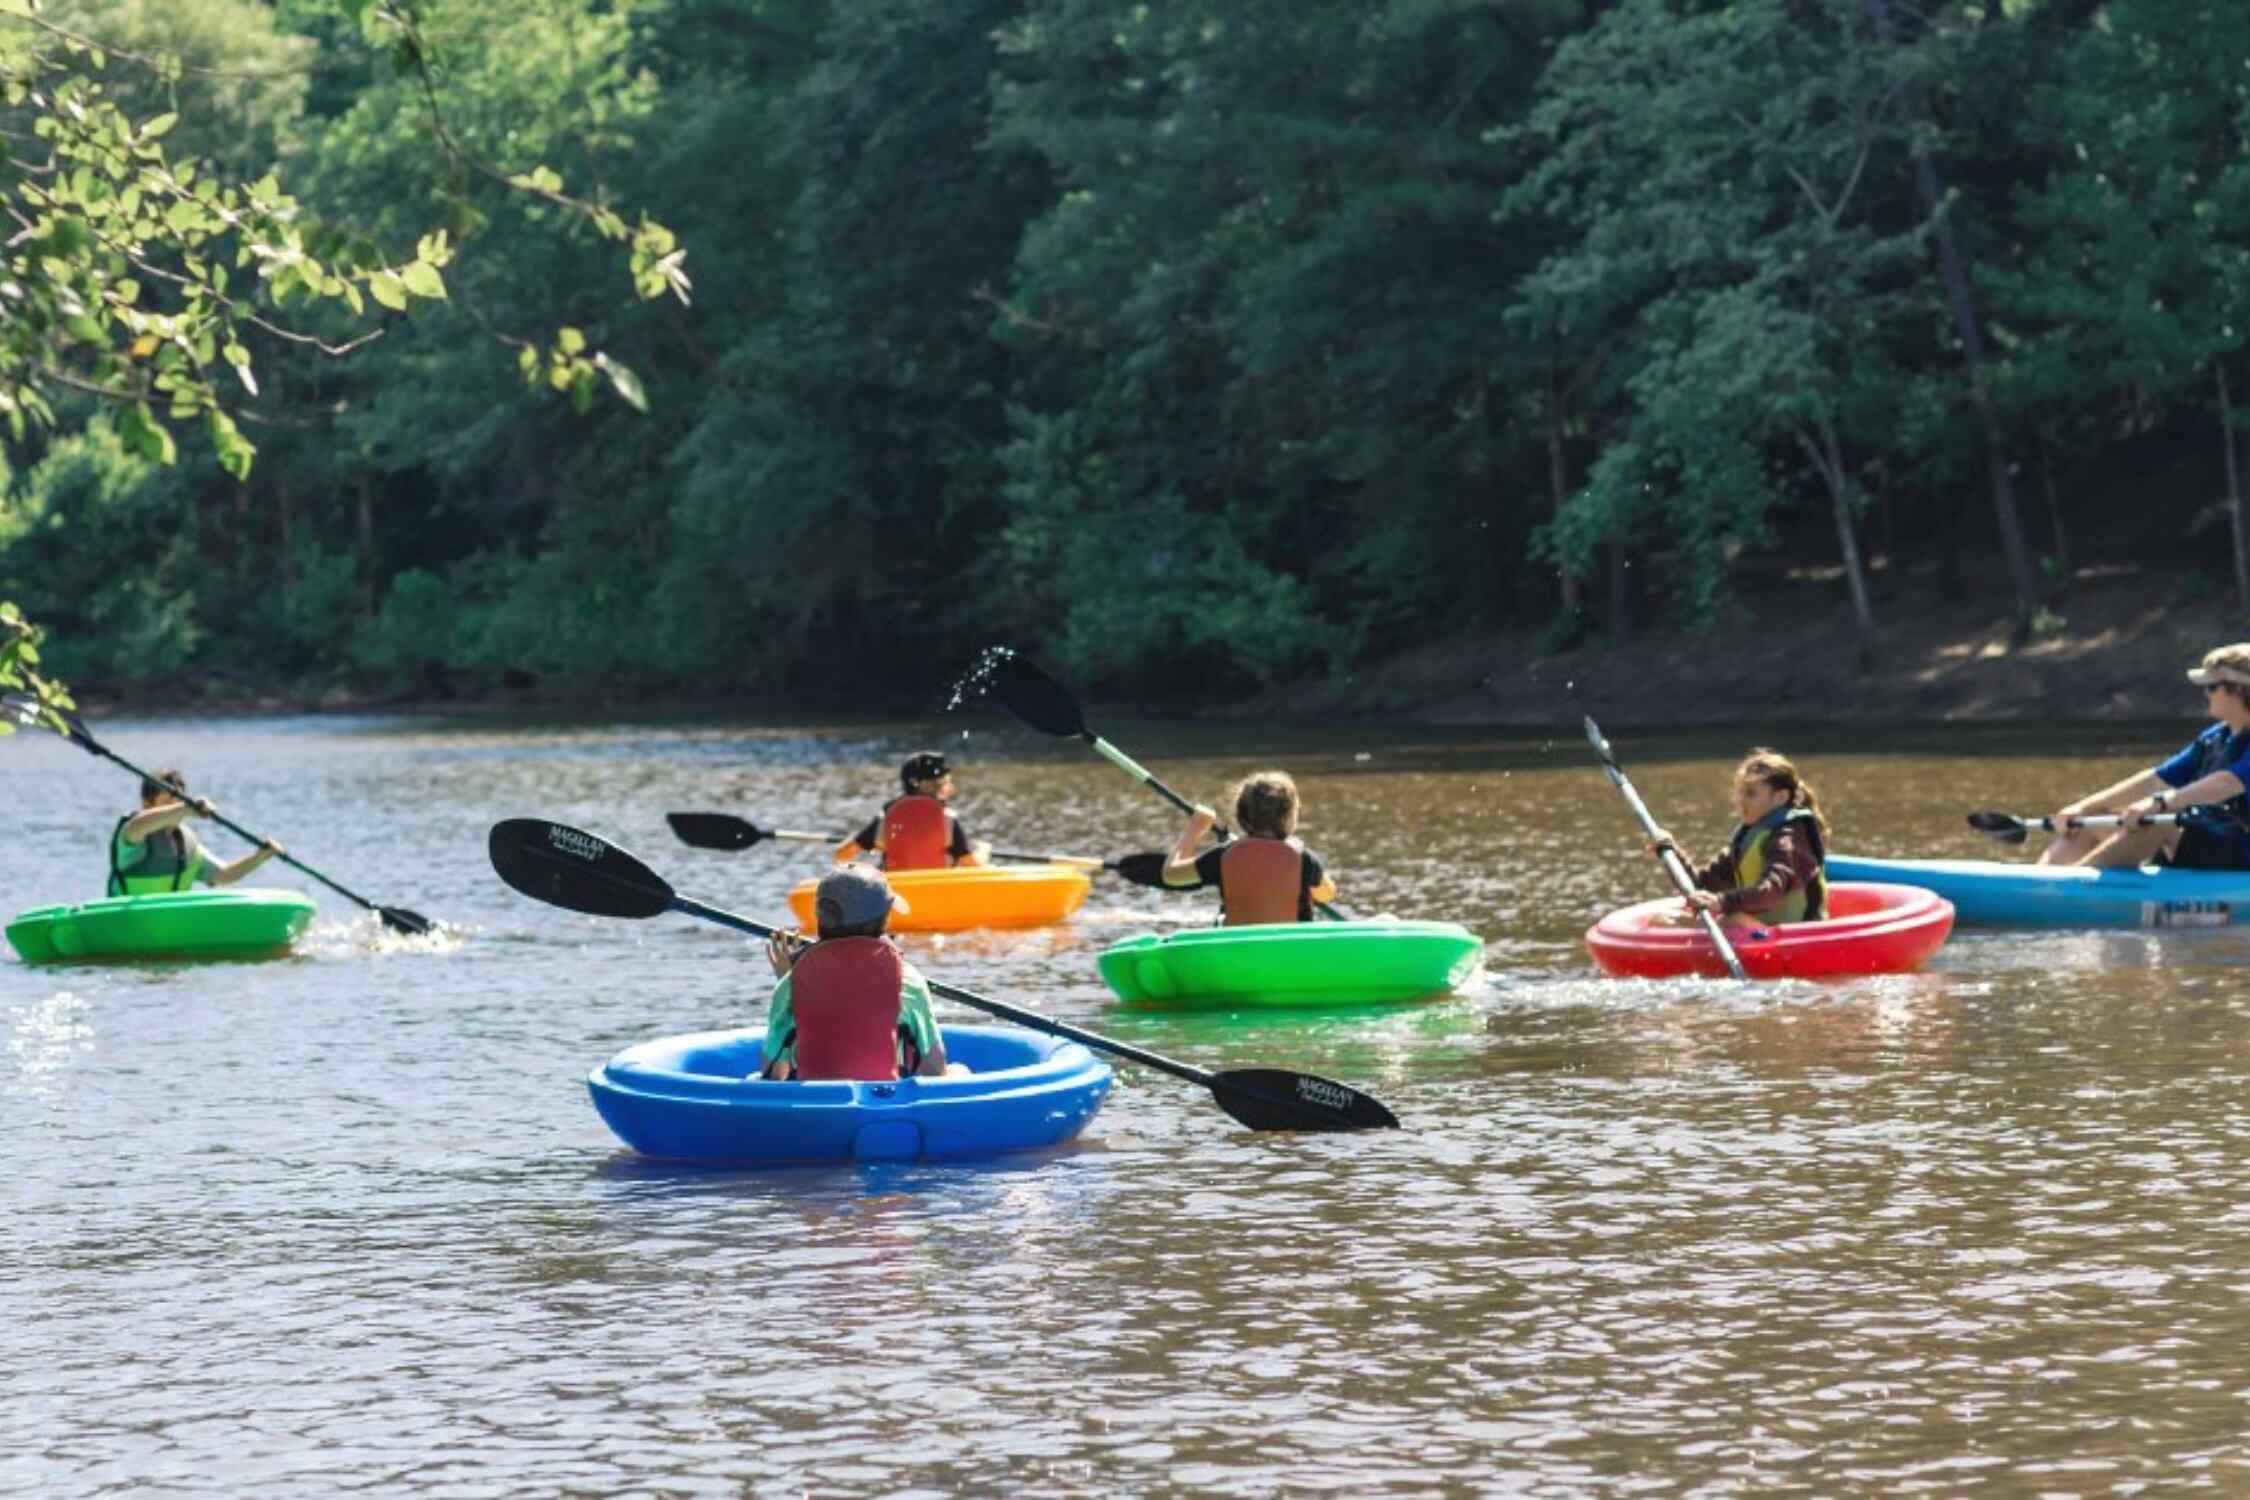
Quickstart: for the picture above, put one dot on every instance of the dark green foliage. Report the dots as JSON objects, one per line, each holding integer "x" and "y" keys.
{"x": 1194, "y": 346}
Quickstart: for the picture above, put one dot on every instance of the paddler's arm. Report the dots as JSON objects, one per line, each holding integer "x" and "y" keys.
{"x": 868, "y": 840}
{"x": 2138, "y": 785}
{"x": 233, "y": 870}
{"x": 2219, "y": 786}
{"x": 962, "y": 849}
{"x": 1179, "y": 865}
{"x": 163, "y": 816}
{"x": 1791, "y": 866}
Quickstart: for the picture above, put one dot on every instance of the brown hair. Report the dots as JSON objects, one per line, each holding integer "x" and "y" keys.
{"x": 1772, "y": 768}
{"x": 153, "y": 787}
{"x": 1265, "y": 804}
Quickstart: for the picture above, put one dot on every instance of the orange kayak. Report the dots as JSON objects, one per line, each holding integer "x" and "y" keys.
{"x": 972, "y": 896}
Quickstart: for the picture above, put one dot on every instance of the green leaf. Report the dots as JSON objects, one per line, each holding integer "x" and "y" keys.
{"x": 624, "y": 381}
{"x": 422, "y": 280}
{"x": 386, "y": 288}
{"x": 570, "y": 340}
{"x": 159, "y": 127}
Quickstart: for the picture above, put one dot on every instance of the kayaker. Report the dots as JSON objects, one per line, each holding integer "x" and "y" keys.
{"x": 2205, "y": 782}
{"x": 1267, "y": 874}
{"x": 849, "y": 1005}
{"x": 152, "y": 849}
{"x": 1771, "y": 871}
{"x": 916, "y": 830}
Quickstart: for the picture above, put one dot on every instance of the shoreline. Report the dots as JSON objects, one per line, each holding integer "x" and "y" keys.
{"x": 2120, "y": 652}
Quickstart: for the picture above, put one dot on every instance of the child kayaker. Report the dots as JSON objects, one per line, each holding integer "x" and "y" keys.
{"x": 849, "y": 1005}
{"x": 1266, "y": 875}
{"x": 152, "y": 849}
{"x": 916, "y": 830}
{"x": 1771, "y": 869}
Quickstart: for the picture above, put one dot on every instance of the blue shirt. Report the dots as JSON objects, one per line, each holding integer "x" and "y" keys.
{"x": 2211, "y": 751}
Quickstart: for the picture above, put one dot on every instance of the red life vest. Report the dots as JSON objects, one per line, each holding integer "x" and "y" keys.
{"x": 917, "y": 835}
{"x": 844, "y": 992}
{"x": 1262, "y": 880}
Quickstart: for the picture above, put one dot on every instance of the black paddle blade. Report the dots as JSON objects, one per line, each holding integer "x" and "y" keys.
{"x": 399, "y": 919}
{"x": 575, "y": 870}
{"x": 1148, "y": 869}
{"x": 2005, "y": 827}
{"x": 1276, "y": 1099}
{"x": 1025, "y": 691}
{"x": 714, "y": 830}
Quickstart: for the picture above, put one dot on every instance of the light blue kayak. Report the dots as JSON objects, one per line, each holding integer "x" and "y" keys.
{"x": 1990, "y": 893}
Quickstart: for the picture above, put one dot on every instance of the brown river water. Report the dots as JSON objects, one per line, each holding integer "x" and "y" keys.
{"x": 346, "y": 1221}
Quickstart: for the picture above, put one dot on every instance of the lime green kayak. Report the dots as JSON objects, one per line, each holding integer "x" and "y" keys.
{"x": 1293, "y": 964}
{"x": 170, "y": 924}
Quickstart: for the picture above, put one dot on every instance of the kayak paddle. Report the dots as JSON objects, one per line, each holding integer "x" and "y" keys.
{"x": 580, "y": 871}
{"x": 1668, "y": 856}
{"x": 2010, "y": 829}
{"x": 1043, "y": 703}
{"x": 28, "y": 711}
{"x": 728, "y": 832}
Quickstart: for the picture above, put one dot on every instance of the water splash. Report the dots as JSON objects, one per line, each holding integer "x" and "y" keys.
{"x": 977, "y": 681}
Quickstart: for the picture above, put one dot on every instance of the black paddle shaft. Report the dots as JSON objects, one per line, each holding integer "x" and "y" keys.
{"x": 75, "y": 731}
{"x": 580, "y": 871}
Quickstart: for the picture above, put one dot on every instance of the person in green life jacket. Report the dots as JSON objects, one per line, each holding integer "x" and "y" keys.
{"x": 2204, "y": 782}
{"x": 153, "y": 850}
{"x": 1771, "y": 869}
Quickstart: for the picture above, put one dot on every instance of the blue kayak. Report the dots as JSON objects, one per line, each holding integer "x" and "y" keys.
{"x": 1991, "y": 893}
{"x": 696, "y": 1098}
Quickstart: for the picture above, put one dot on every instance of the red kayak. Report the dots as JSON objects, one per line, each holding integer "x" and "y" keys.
{"x": 1870, "y": 929}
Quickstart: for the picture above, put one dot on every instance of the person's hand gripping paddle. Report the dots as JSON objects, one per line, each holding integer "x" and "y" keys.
{"x": 1666, "y": 855}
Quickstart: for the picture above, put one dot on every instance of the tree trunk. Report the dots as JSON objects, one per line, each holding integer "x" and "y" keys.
{"x": 285, "y": 529}
{"x": 2054, "y": 512}
{"x": 366, "y": 546}
{"x": 1828, "y": 458}
{"x": 1558, "y": 477}
{"x": 2234, "y": 486}
{"x": 1959, "y": 293}
{"x": 1620, "y": 596}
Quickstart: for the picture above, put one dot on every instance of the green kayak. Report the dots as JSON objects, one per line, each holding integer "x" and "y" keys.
{"x": 1293, "y": 964}
{"x": 170, "y": 924}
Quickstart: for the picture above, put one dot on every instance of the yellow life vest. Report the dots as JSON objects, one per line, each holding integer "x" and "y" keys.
{"x": 1805, "y": 904}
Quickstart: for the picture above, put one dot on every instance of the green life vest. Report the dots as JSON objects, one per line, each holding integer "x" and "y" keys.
{"x": 169, "y": 861}
{"x": 1805, "y": 904}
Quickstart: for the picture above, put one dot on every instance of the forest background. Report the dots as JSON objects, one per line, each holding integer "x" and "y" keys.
{"x": 1203, "y": 347}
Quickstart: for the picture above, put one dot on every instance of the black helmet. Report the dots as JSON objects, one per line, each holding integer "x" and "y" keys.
{"x": 923, "y": 765}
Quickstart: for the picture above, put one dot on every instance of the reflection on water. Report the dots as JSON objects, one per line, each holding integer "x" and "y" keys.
{"x": 348, "y": 1220}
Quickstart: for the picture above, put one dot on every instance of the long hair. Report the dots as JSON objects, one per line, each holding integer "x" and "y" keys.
{"x": 1772, "y": 768}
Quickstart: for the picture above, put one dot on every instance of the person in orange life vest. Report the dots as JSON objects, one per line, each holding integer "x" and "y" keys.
{"x": 150, "y": 850}
{"x": 1771, "y": 870}
{"x": 1266, "y": 875}
{"x": 849, "y": 1005}
{"x": 916, "y": 830}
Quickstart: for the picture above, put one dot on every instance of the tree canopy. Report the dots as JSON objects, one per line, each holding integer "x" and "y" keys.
{"x": 353, "y": 341}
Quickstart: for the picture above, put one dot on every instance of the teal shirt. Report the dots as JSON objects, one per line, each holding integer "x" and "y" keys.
{"x": 914, "y": 1012}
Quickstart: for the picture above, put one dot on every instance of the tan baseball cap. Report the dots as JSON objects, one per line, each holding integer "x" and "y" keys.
{"x": 2223, "y": 664}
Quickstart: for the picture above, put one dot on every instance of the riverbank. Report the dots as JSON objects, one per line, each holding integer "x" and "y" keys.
{"x": 2114, "y": 646}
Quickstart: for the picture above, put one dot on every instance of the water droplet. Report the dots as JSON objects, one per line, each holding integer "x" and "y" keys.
{"x": 1363, "y": 755}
